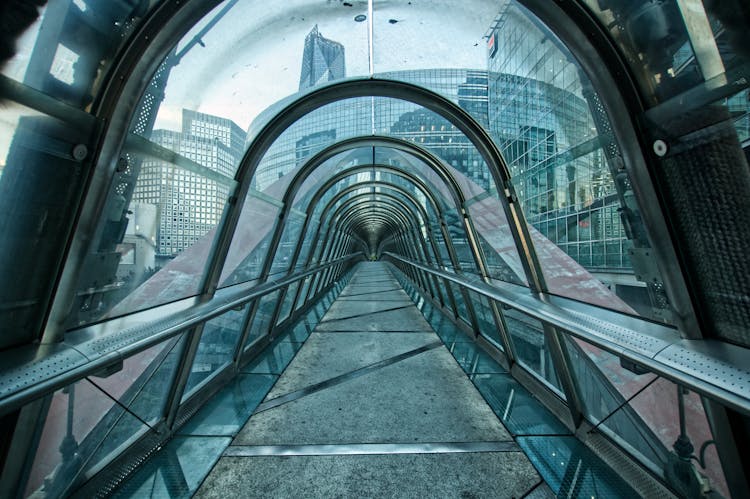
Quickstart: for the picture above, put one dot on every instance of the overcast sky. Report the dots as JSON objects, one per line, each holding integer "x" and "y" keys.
{"x": 252, "y": 58}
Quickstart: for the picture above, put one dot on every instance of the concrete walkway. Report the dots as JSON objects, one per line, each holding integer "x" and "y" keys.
{"x": 373, "y": 405}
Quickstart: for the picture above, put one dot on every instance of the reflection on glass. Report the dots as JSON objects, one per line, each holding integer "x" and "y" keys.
{"x": 262, "y": 320}
{"x": 85, "y": 427}
{"x": 251, "y": 240}
{"x": 65, "y": 52}
{"x": 280, "y": 56}
{"x": 676, "y": 45}
{"x": 217, "y": 347}
{"x": 530, "y": 346}
{"x": 163, "y": 215}
{"x": 39, "y": 188}
{"x": 303, "y": 293}
{"x": 659, "y": 406}
{"x": 566, "y": 170}
{"x": 286, "y": 307}
{"x": 649, "y": 424}
{"x": 282, "y": 258}
{"x": 496, "y": 240}
{"x": 485, "y": 318}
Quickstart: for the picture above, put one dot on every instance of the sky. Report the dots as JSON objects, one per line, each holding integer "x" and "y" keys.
{"x": 252, "y": 57}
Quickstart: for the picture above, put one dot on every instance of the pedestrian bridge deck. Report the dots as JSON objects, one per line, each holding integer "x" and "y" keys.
{"x": 378, "y": 398}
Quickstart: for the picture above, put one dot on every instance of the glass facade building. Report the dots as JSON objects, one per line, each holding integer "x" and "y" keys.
{"x": 562, "y": 188}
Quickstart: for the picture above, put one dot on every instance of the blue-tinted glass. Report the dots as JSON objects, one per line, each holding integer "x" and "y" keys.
{"x": 286, "y": 307}
{"x": 227, "y": 411}
{"x": 274, "y": 359}
{"x": 177, "y": 470}
{"x": 262, "y": 320}
{"x": 519, "y": 411}
{"x": 530, "y": 344}
{"x": 472, "y": 359}
{"x": 217, "y": 346}
{"x": 572, "y": 470}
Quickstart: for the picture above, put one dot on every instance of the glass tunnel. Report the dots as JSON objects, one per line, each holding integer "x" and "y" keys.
{"x": 487, "y": 248}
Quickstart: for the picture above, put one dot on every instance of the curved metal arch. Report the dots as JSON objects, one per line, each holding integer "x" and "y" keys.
{"x": 372, "y": 87}
{"x": 384, "y": 185}
{"x": 417, "y": 182}
{"x": 341, "y": 215}
{"x": 421, "y": 185}
{"x": 452, "y": 254}
{"x": 430, "y": 160}
{"x": 417, "y": 242}
{"x": 399, "y": 189}
{"x": 332, "y": 202}
{"x": 355, "y": 204}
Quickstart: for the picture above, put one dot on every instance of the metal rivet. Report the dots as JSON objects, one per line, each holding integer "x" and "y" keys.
{"x": 660, "y": 147}
{"x": 79, "y": 152}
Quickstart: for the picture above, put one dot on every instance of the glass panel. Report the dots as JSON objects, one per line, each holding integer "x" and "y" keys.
{"x": 39, "y": 190}
{"x": 305, "y": 250}
{"x": 65, "y": 50}
{"x": 177, "y": 470}
{"x": 303, "y": 293}
{"x": 262, "y": 321}
{"x": 282, "y": 54}
{"x": 282, "y": 259}
{"x": 668, "y": 57}
{"x": 217, "y": 347}
{"x": 85, "y": 427}
{"x": 485, "y": 318}
{"x": 641, "y": 412}
{"x": 571, "y": 469}
{"x": 455, "y": 42}
{"x": 157, "y": 238}
{"x": 566, "y": 169}
{"x": 447, "y": 291}
{"x": 496, "y": 240}
{"x": 251, "y": 239}
{"x": 286, "y": 307}
{"x": 457, "y": 232}
{"x": 530, "y": 346}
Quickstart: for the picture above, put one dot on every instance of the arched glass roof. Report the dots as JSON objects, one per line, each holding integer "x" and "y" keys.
{"x": 565, "y": 180}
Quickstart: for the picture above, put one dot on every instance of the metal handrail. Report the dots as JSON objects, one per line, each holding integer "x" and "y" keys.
{"x": 94, "y": 355}
{"x": 662, "y": 350}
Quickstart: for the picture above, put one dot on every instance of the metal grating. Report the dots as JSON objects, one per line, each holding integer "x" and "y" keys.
{"x": 638, "y": 478}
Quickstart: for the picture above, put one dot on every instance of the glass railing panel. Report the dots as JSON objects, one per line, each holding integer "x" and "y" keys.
{"x": 262, "y": 321}
{"x": 641, "y": 411}
{"x": 485, "y": 318}
{"x": 303, "y": 293}
{"x": 286, "y": 306}
{"x": 530, "y": 346}
{"x": 87, "y": 424}
{"x": 217, "y": 347}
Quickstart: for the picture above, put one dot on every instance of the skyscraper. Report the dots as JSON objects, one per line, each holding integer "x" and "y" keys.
{"x": 190, "y": 202}
{"x": 322, "y": 60}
